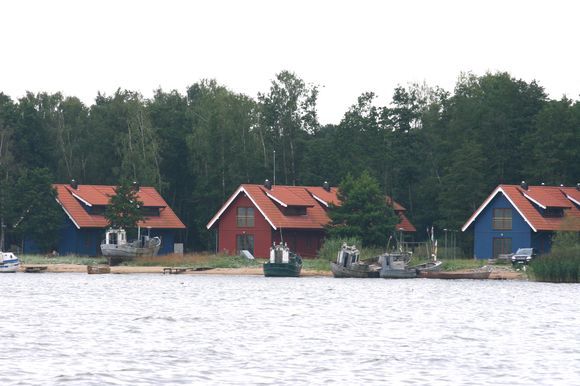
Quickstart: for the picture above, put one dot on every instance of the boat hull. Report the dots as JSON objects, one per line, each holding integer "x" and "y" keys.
{"x": 9, "y": 263}
{"x": 282, "y": 269}
{"x": 398, "y": 273}
{"x": 455, "y": 275}
{"x": 361, "y": 271}
{"x": 434, "y": 266}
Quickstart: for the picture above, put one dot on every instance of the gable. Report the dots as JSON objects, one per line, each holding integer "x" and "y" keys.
{"x": 83, "y": 206}
{"x": 530, "y": 202}
{"x": 293, "y": 207}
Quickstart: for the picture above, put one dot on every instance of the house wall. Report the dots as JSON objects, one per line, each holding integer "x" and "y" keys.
{"x": 228, "y": 229}
{"x": 87, "y": 241}
{"x": 304, "y": 242}
{"x": 521, "y": 233}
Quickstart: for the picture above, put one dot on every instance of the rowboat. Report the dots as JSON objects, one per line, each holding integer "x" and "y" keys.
{"x": 428, "y": 266}
{"x": 477, "y": 275}
{"x": 98, "y": 269}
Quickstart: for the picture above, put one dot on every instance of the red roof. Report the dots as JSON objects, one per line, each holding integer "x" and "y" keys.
{"x": 73, "y": 201}
{"x": 528, "y": 203}
{"x": 315, "y": 199}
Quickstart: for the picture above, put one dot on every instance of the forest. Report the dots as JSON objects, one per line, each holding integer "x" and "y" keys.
{"x": 437, "y": 152}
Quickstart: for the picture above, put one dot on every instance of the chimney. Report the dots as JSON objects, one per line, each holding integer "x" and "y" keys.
{"x": 74, "y": 184}
{"x": 524, "y": 185}
{"x": 326, "y": 186}
{"x": 268, "y": 184}
{"x": 578, "y": 186}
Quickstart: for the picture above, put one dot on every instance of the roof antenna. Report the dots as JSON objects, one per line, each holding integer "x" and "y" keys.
{"x": 274, "y": 179}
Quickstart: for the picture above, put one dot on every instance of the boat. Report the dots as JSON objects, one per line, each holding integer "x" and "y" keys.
{"x": 476, "y": 275}
{"x": 98, "y": 269}
{"x": 348, "y": 264}
{"x": 283, "y": 262}
{"x": 9, "y": 263}
{"x": 428, "y": 266}
{"x": 117, "y": 248}
{"x": 395, "y": 266}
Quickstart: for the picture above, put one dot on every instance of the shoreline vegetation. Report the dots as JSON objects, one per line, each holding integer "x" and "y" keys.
{"x": 209, "y": 264}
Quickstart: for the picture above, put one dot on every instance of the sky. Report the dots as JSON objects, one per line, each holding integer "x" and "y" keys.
{"x": 82, "y": 47}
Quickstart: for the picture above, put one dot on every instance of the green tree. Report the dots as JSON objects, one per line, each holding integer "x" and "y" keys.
{"x": 124, "y": 209}
{"x": 363, "y": 212}
{"x": 36, "y": 214}
{"x": 287, "y": 117}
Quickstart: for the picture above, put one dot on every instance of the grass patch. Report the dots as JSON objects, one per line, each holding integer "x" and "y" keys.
{"x": 460, "y": 264}
{"x": 316, "y": 264}
{"x": 67, "y": 259}
{"x": 194, "y": 261}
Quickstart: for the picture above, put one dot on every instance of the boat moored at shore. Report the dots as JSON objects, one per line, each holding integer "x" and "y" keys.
{"x": 9, "y": 263}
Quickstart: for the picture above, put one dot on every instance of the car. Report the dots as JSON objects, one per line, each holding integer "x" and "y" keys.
{"x": 523, "y": 256}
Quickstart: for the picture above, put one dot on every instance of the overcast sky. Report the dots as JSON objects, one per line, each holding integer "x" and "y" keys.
{"x": 80, "y": 47}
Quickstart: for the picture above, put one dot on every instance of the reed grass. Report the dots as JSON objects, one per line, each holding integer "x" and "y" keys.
{"x": 557, "y": 267}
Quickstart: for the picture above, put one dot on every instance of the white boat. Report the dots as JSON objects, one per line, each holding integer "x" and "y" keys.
{"x": 9, "y": 262}
{"x": 117, "y": 248}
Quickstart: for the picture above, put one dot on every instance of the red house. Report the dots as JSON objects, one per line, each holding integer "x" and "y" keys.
{"x": 255, "y": 216}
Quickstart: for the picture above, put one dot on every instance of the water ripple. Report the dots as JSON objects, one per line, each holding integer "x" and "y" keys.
{"x": 155, "y": 329}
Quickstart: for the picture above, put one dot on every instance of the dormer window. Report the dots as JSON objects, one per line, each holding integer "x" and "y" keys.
{"x": 553, "y": 212}
{"x": 295, "y": 211}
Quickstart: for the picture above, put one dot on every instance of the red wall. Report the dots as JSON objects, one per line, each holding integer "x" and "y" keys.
{"x": 228, "y": 229}
{"x": 305, "y": 243}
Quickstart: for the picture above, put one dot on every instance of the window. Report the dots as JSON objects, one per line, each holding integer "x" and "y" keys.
{"x": 501, "y": 246}
{"x": 245, "y": 242}
{"x": 502, "y": 219}
{"x": 245, "y": 217}
{"x": 295, "y": 211}
{"x": 553, "y": 212}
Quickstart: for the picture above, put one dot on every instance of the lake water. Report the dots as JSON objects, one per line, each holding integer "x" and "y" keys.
{"x": 83, "y": 329}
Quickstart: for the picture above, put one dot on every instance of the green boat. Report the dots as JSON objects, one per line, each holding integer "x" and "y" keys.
{"x": 283, "y": 263}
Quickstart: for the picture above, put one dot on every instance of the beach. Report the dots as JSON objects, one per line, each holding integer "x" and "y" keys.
{"x": 498, "y": 272}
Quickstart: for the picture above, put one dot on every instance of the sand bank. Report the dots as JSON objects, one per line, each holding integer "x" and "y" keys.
{"x": 498, "y": 273}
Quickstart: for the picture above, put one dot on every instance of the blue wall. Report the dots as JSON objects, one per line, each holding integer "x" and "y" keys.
{"x": 87, "y": 241}
{"x": 521, "y": 233}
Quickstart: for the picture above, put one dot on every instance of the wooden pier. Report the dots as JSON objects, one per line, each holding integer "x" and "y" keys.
{"x": 35, "y": 268}
{"x": 178, "y": 270}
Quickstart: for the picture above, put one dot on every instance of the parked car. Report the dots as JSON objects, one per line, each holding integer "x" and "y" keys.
{"x": 523, "y": 256}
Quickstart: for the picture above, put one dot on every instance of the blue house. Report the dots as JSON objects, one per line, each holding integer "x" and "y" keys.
{"x": 85, "y": 224}
{"x": 520, "y": 216}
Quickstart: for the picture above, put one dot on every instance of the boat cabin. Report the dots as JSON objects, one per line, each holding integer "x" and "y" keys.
{"x": 347, "y": 256}
{"x": 279, "y": 253}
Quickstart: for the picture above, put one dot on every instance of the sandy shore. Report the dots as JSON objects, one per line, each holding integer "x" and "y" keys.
{"x": 498, "y": 273}
{"x": 61, "y": 268}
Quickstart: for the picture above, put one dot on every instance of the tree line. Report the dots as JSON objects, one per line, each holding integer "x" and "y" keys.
{"x": 439, "y": 153}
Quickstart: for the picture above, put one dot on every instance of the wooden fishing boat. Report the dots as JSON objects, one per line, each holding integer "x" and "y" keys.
{"x": 348, "y": 265}
{"x": 394, "y": 266}
{"x": 98, "y": 269}
{"x": 476, "y": 275}
{"x": 283, "y": 262}
{"x": 118, "y": 249}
